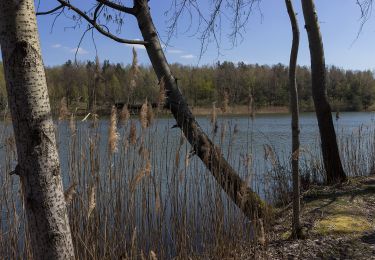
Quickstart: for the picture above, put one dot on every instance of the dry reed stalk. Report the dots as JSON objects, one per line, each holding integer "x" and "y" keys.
{"x": 135, "y": 68}
{"x": 143, "y": 115}
{"x": 235, "y": 129}
{"x": 213, "y": 114}
{"x": 269, "y": 154}
{"x": 133, "y": 244}
{"x": 177, "y": 159}
{"x": 72, "y": 124}
{"x": 162, "y": 94}
{"x": 150, "y": 114}
{"x": 64, "y": 111}
{"x": 262, "y": 236}
{"x": 70, "y": 192}
{"x": 125, "y": 114}
{"x": 223, "y": 132}
{"x": 91, "y": 200}
{"x": 187, "y": 160}
{"x": 133, "y": 85}
{"x": 136, "y": 180}
{"x": 144, "y": 172}
{"x": 225, "y": 105}
{"x": 157, "y": 201}
{"x": 95, "y": 119}
{"x": 133, "y": 133}
{"x": 251, "y": 107}
{"x": 152, "y": 255}
{"x": 148, "y": 167}
{"x": 142, "y": 255}
{"x": 113, "y": 134}
{"x": 296, "y": 154}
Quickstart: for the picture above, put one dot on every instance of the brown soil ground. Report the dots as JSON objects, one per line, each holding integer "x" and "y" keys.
{"x": 338, "y": 223}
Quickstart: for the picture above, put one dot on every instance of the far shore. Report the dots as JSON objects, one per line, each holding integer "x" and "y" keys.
{"x": 240, "y": 110}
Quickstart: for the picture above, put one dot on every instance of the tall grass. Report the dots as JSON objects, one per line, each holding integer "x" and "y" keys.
{"x": 135, "y": 190}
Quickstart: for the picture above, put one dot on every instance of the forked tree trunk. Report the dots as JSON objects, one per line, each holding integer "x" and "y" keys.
{"x": 331, "y": 157}
{"x": 38, "y": 161}
{"x": 246, "y": 199}
{"x": 296, "y": 226}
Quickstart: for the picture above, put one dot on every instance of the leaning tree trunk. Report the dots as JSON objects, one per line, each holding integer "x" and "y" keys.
{"x": 38, "y": 163}
{"x": 331, "y": 157}
{"x": 246, "y": 199}
{"x": 296, "y": 226}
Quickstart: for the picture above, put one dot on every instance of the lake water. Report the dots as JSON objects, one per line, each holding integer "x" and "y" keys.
{"x": 259, "y": 150}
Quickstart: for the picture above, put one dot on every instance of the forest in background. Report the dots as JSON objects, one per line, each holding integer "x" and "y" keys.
{"x": 347, "y": 90}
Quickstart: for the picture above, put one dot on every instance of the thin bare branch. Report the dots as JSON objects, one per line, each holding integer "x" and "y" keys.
{"x": 97, "y": 26}
{"x": 118, "y": 7}
{"x": 50, "y": 11}
{"x": 366, "y": 10}
{"x": 209, "y": 28}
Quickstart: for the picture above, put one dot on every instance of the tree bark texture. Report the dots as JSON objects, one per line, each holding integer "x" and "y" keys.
{"x": 296, "y": 226}
{"x": 246, "y": 199}
{"x": 331, "y": 157}
{"x": 38, "y": 161}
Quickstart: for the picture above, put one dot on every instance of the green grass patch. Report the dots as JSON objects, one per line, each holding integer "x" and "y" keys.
{"x": 342, "y": 224}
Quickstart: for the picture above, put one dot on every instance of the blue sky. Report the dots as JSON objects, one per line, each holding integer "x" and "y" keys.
{"x": 267, "y": 38}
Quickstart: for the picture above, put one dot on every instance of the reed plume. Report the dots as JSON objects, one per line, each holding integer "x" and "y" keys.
{"x": 64, "y": 111}
{"x": 136, "y": 180}
{"x": 135, "y": 68}
{"x": 144, "y": 172}
{"x": 125, "y": 114}
{"x": 70, "y": 192}
{"x": 91, "y": 200}
{"x": 133, "y": 133}
{"x": 113, "y": 135}
{"x": 150, "y": 114}
{"x": 143, "y": 115}
{"x": 153, "y": 255}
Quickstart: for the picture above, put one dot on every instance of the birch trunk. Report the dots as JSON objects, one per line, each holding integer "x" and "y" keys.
{"x": 331, "y": 157}
{"x": 246, "y": 199}
{"x": 38, "y": 162}
{"x": 296, "y": 226}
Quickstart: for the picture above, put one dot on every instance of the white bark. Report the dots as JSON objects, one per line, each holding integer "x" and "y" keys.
{"x": 38, "y": 162}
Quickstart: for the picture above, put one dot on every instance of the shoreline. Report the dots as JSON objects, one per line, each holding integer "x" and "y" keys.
{"x": 200, "y": 111}
{"x": 240, "y": 110}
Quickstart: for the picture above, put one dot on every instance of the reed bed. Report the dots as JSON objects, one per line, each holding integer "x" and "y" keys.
{"x": 135, "y": 191}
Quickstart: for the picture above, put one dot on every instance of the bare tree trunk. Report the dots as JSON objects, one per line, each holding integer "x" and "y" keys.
{"x": 246, "y": 199}
{"x": 331, "y": 157}
{"x": 296, "y": 226}
{"x": 38, "y": 162}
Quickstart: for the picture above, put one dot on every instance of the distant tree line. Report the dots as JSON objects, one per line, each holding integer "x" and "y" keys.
{"x": 347, "y": 90}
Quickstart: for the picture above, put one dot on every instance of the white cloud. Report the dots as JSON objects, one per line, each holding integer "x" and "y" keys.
{"x": 174, "y": 51}
{"x": 56, "y": 46}
{"x": 187, "y": 56}
{"x": 80, "y": 51}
